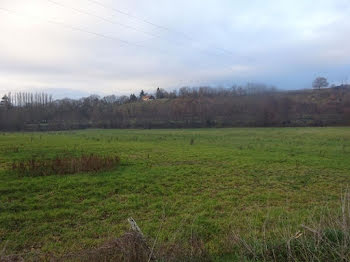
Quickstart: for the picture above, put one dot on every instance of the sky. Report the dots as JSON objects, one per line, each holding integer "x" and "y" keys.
{"x": 82, "y": 47}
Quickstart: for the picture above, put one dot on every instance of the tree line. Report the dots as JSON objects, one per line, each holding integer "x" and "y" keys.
{"x": 249, "y": 105}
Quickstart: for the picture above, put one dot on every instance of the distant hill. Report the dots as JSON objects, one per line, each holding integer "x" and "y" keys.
{"x": 194, "y": 108}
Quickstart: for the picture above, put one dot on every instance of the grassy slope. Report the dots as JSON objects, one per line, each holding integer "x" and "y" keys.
{"x": 229, "y": 178}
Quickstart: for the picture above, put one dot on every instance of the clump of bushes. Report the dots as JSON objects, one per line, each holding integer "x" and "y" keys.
{"x": 65, "y": 165}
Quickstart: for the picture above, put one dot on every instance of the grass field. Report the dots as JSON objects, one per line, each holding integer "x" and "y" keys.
{"x": 174, "y": 183}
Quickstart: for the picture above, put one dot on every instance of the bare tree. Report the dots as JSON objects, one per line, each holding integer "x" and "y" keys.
{"x": 241, "y": 105}
{"x": 161, "y": 93}
{"x": 320, "y": 82}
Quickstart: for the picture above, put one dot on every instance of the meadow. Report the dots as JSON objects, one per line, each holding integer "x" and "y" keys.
{"x": 174, "y": 183}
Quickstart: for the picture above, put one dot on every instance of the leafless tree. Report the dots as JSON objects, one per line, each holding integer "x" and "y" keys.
{"x": 319, "y": 83}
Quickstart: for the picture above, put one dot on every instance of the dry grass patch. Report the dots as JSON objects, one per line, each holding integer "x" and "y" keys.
{"x": 64, "y": 165}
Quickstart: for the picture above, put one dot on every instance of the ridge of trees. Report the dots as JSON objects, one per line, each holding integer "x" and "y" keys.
{"x": 249, "y": 105}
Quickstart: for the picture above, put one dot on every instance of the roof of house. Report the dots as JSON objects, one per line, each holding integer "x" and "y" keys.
{"x": 147, "y": 97}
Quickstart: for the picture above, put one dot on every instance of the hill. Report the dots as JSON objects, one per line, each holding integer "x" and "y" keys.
{"x": 196, "y": 107}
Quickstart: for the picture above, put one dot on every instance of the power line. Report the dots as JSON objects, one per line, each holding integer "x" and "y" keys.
{"x": 134, "y": 17}
{"x": 112, "y": 22}
{"x": 101, "y": 18}
{"x": 79, "y": 29}
{"x": 75, "y": 28}
{"x": 184, "y": 35}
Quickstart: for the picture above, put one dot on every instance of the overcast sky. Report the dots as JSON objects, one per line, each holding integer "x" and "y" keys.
{"x": 81, "y": 47}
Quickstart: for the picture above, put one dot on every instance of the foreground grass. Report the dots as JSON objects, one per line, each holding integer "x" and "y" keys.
{"x": 174, "y": 183}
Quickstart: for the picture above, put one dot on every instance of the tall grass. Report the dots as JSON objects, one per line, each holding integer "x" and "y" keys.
{"x": 324, "y": 239}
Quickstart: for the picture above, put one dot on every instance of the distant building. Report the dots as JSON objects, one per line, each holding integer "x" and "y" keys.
{"x": 147, "y": 98}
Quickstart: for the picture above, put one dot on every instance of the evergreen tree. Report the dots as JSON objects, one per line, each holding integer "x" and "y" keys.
{"x": 5, "y": 102}
{"x": 133, "y": 98}
{"x": 142, "y": 94}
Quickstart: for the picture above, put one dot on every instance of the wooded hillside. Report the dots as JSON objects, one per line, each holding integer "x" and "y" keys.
{"x": 185, "y": 108}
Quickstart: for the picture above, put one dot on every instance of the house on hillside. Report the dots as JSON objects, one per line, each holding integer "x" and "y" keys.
{"x": 147, "y": 98}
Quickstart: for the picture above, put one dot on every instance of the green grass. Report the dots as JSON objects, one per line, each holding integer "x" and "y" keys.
{"x": 227, "y": 179}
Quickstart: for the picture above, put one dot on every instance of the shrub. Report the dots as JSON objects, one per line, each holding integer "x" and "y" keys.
{"x": 65, "y": 165}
